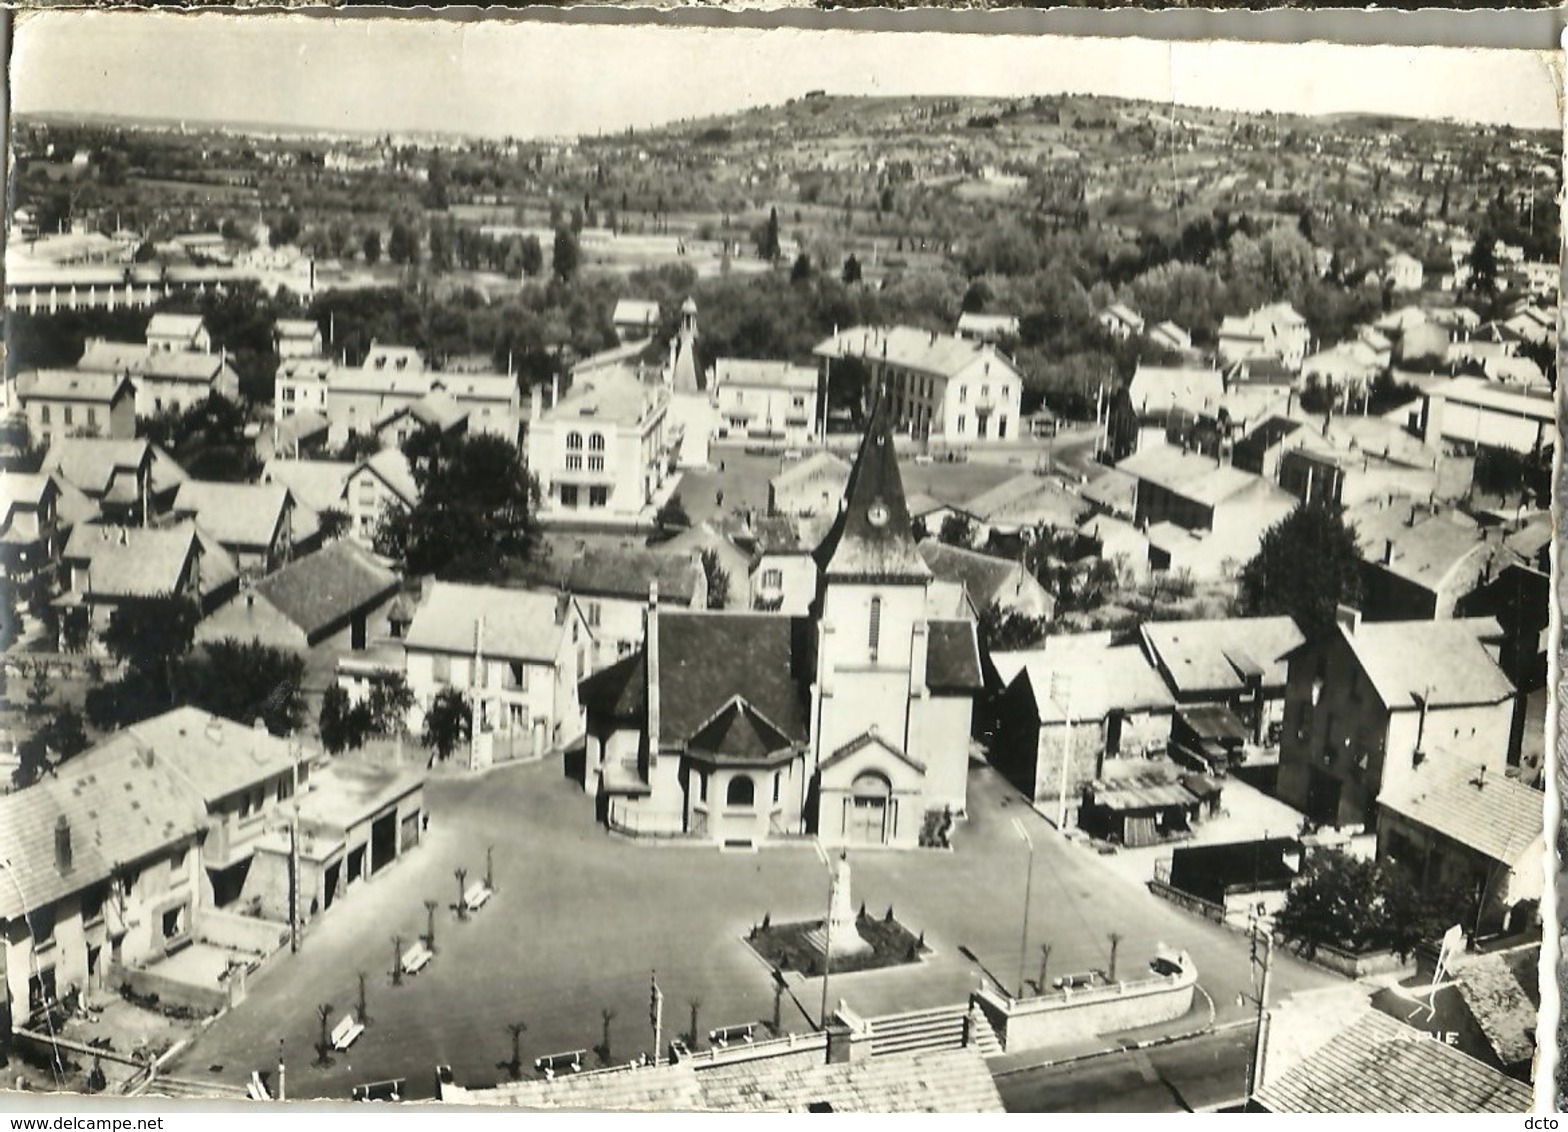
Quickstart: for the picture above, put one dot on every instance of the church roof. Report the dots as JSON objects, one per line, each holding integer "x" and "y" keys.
{"x": 708, "y": 659}
{"x": 738, "y": 732}
{"x": 871, "y": 537}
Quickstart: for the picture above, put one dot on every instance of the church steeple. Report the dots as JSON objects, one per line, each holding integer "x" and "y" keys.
{"x": 872, "y": 538}
{"x": 685, "y": 369}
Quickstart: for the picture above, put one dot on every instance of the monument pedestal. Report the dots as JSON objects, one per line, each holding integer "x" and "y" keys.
{"x": 839, "y": 937}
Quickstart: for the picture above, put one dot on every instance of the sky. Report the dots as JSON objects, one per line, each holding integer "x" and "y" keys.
{"x": 525, "y": 79}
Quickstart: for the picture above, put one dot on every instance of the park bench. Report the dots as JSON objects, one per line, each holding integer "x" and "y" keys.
{"x": 553, "y": 1063}
{"x": 477, "y": 896}
{"x": 258, "y": 1088}
{"x": 725, "y": 1035}
{"x": 415, "y": 958}
{"x": 346, "y": 1032}
{"x": 391, "y": 1090}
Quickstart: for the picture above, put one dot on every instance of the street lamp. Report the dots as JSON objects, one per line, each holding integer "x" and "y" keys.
{"x": 1255, "y": 1063}
{"x": 1023, "y": 939}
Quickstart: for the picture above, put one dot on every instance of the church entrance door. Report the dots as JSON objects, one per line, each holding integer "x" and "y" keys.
{"x": 867, "y": 819}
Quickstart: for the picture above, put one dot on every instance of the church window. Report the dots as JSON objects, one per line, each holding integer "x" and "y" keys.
{"x": 741, "y": 792}
{"x": 876, "y": 626}
{"x": 595, "y": 442}
{"x": 574, "y": 440}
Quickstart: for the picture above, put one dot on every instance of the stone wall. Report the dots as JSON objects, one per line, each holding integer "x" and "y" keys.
{"x": 1073, "y": 1015}
{"x": 241, "y": 933}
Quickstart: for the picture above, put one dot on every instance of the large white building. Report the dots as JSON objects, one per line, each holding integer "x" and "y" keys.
{"x": 600, "y": 452}
{"x": 938, "y": 387}
{"x": 359, "y": 399}
{"x": 1274, "y": 331}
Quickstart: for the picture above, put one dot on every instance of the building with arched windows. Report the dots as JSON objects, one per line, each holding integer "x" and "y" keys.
{"x": 600, "y": 452}
{"x": 850, "y": 723}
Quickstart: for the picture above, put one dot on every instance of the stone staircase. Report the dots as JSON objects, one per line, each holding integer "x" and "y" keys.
{"x": 982, "y": 1035}
{"x": 203, "y": 1090}
{"x": 943, "y": 1027}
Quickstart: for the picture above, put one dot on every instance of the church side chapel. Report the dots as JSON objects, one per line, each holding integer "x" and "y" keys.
{"x": 851, "y": 723}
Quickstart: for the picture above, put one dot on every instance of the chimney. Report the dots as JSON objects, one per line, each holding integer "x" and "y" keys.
{"x": 62, "y": 844}
{"x": 1348, "y": 617}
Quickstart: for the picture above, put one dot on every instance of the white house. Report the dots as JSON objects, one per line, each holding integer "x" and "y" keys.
{"x": 766, "y": 400}
{"x": 938, "y": 388}
{"x": 516, "y": 655}
{"x": 1274, "y": 331}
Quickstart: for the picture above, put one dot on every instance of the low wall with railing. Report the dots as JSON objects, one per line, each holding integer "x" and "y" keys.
{"x": 1087, "y": 1012}
{"x": 171, "y": 994}
{"x": 806, "y": 1049}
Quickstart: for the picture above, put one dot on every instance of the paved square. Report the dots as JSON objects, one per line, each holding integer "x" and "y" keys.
{"x": 581, "y": 917}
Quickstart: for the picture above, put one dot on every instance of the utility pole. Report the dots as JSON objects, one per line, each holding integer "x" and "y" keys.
{"x": 294, "y": 893}
{"x": 1255, "y": 1066}
{"x": 656, "y": 1014}
{"x": 282, "y": 1071}
{"x": 1023, "y": 939}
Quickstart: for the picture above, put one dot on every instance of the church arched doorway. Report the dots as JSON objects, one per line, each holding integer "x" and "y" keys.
{"x": 870, "y": 803}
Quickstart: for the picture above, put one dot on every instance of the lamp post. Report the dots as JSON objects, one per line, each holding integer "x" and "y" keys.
{"x": 1023, "y": 939}
{"x": 462, "y": 877}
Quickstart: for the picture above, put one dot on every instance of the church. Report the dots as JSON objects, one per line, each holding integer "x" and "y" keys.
{"x": 851, "y": 723}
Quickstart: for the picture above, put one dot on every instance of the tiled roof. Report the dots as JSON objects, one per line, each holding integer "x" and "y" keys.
{"x": 1188, "y": 474}
{"x": 1159, "y": 389}
{"x": 738, "y": 731}
{"x": 214, "y": 756}
{"x": 941, "y": 355}
{"x": 626, "y": 571}
{"x": 706, "y": 659}
{"x": 784, "y": 534}
{"x": 1027, "y": 500}
{"x": 817, "y": 464}
{"x": 983, "y": 575}
{"x": 1220, "y": 655}
{"x": 935, "y": 1081}
{"x": 1094, "y": 676}
{"x": 1113, "y": 489}
{"x": 1434, "y": 550}
{"x": 71, "y": 385}
{"x": 167, "y": 325}
{"x": 91, "y": 464}
{"x": 619, "y": 691}
{"x": 871, "y": 536}
{"x": 321, "y": 589}
{"x": 1444, "y": 662}
{"x": 118, "y": 808}
{"x": 518, "y": 624}
{"x": 615, "y": 395}
{"x": 1377, "y": 1064}
{"x": 315, "y": 483}
{"x": 747, "y": 374}
{"x": 236, "y": 514}
{"x": 953, "y": 656}
{"x": 131, "y": 562}
{"x": 945, "y": 1081}
{"x": 391, "y": 467}
{"x": 1496, "y": 816}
